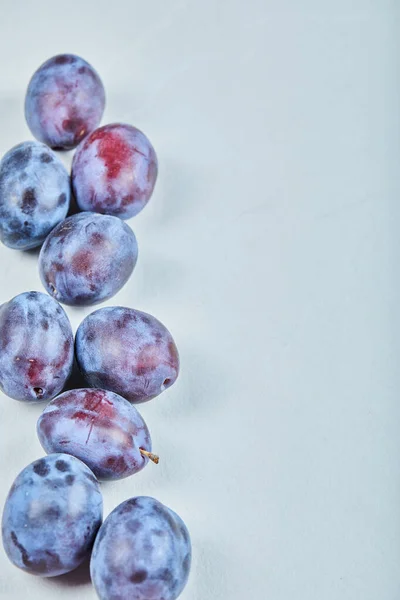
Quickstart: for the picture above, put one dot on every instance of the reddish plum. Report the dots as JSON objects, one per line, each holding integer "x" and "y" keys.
{"x": 100, "y": 428}
{"x": 114, "y": 171}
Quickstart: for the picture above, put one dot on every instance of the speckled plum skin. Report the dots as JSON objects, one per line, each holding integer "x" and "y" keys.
{"x": 128, "y": 352}
{"x": 64, "y": 101}
{"x": 114, "y": 171}
{"x": 87, "y": 258}
{"x": 100, "y": 428}
{"x": 34, "y": 195}
{"x": 51, "y": 516}
{"x": 36, "y": 347}
{"x": 142, "y": 552}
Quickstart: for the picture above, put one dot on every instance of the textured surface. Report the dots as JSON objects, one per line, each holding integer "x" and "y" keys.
{"x": 36, "y": 347}
{"x": 114, "y": 171}
{"x": 270, "y": 249}
{"x": 142, "y": 552}
{"x": 127, "y": 351}
{"x": 34, "y": 194}
{"x": 87, "y": 258}
{"x": 100, "y": 428}
{"x": 51, "y": 516}
{"x": 64, "y": 101}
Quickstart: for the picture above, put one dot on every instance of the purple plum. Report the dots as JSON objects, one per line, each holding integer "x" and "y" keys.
{"x": 34, "y": 195}
{"x": 87, "y": 258}
{"x": 36, "y": 347}
{"x": 128, "y": 352}
{"x": 100, "y": 428}
{"x": 142, "y": 552}
{"x": 114, "y": 171}
{"x": 64, "y": 101}
{"x": 51, "y": 516}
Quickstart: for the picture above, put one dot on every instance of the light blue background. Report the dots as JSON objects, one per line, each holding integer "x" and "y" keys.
{"x": 271, "y": 250}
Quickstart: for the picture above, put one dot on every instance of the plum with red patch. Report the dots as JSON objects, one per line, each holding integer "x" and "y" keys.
{"x": 36, "y": 347}
{"x": 51, "y": 516}
{"x": 100, "y": 428}
{"x": 142, "y": 551}
{"x": 87, "y": 258}
{"x": 114, "y": 171}
{"x": 34, "y": 195}
{"x": 64, "y": 102}
{"x": 128, "y": 352}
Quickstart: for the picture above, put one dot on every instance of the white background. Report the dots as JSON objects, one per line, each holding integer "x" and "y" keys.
{"x": 271, "y": 250}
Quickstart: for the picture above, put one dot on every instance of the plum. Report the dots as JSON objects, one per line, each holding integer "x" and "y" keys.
{"x": 51, "y": 516}
{"x": 87, "y": 258}
{"x": 128, "y": 352}
{"x": 114, "y": 171}
{"x": 100, "y": 428}
{"x": 36, "y": 347}
{"x": 34, "y": 195}
{"x": 142, "y": 552}
{"x": 64, "y": 101}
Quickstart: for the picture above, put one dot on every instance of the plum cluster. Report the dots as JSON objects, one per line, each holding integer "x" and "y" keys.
{"x": 52, "y": 519}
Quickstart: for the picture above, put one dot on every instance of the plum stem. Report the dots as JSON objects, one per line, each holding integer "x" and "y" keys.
{"x": 153, "y": 457}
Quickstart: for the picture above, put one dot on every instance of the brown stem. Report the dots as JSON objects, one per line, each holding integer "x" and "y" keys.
{"x": 153, "y": 457}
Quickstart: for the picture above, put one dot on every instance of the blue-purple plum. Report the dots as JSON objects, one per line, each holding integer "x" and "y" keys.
{"x": 142, "y": 552}
{"x": 100, "y": 428}
{"x": 36, "y": 347}
{"x": 114, "y": 171}
{"x": 87, "y": 258}
{"x": 128, "y": 352}
{"x": 64, "y": 102}
{"x": 34, "y": 195}
{"x": 51, "y": 516}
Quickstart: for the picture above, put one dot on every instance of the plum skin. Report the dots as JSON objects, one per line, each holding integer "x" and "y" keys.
{"x": 142, "y": 551}
{"x": 64, "y": 101}
{"x": 128, "y": 352}
{"x": 114, "y": 171}
{"x": 36, "y": 347}
{"x": 100, "y": 428}
{"x": 51, "y": 516}
{"x": 87, "y": 258}
{"x": 34, "y": 195}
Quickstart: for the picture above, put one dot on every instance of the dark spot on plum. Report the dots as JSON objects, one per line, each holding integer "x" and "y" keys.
{"x": 41, "y": 468}
{"x": 19, "y": 158}
{"x": 69, "y": 480}
{"x": 46, "y": 158}
{"x": 38, "y": 391}
{"x": 45, "y": 324}
{"x": 26, "y": 223}
{"x": 138, "y": 576}
{"x": 62, "y": 466}
{"x": 186, "y": 564}
{"x": 62, "y": 199}
{"x": 134, "y": 526}
{"x": 53, "y": 512}
{"x": 64, "y": 59}
{"x": 29, "y": 201}
{"x": 166, "y": 515}
{"x": 38, "y": 566}
{"x": 166, "y": 575}
{"x": 90, "y": 336}
{"x": 167, "y": 382}
{"x": 128, "y": 506}
{"x": 74, "y": 126}
{"x": 116, "y": 463}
